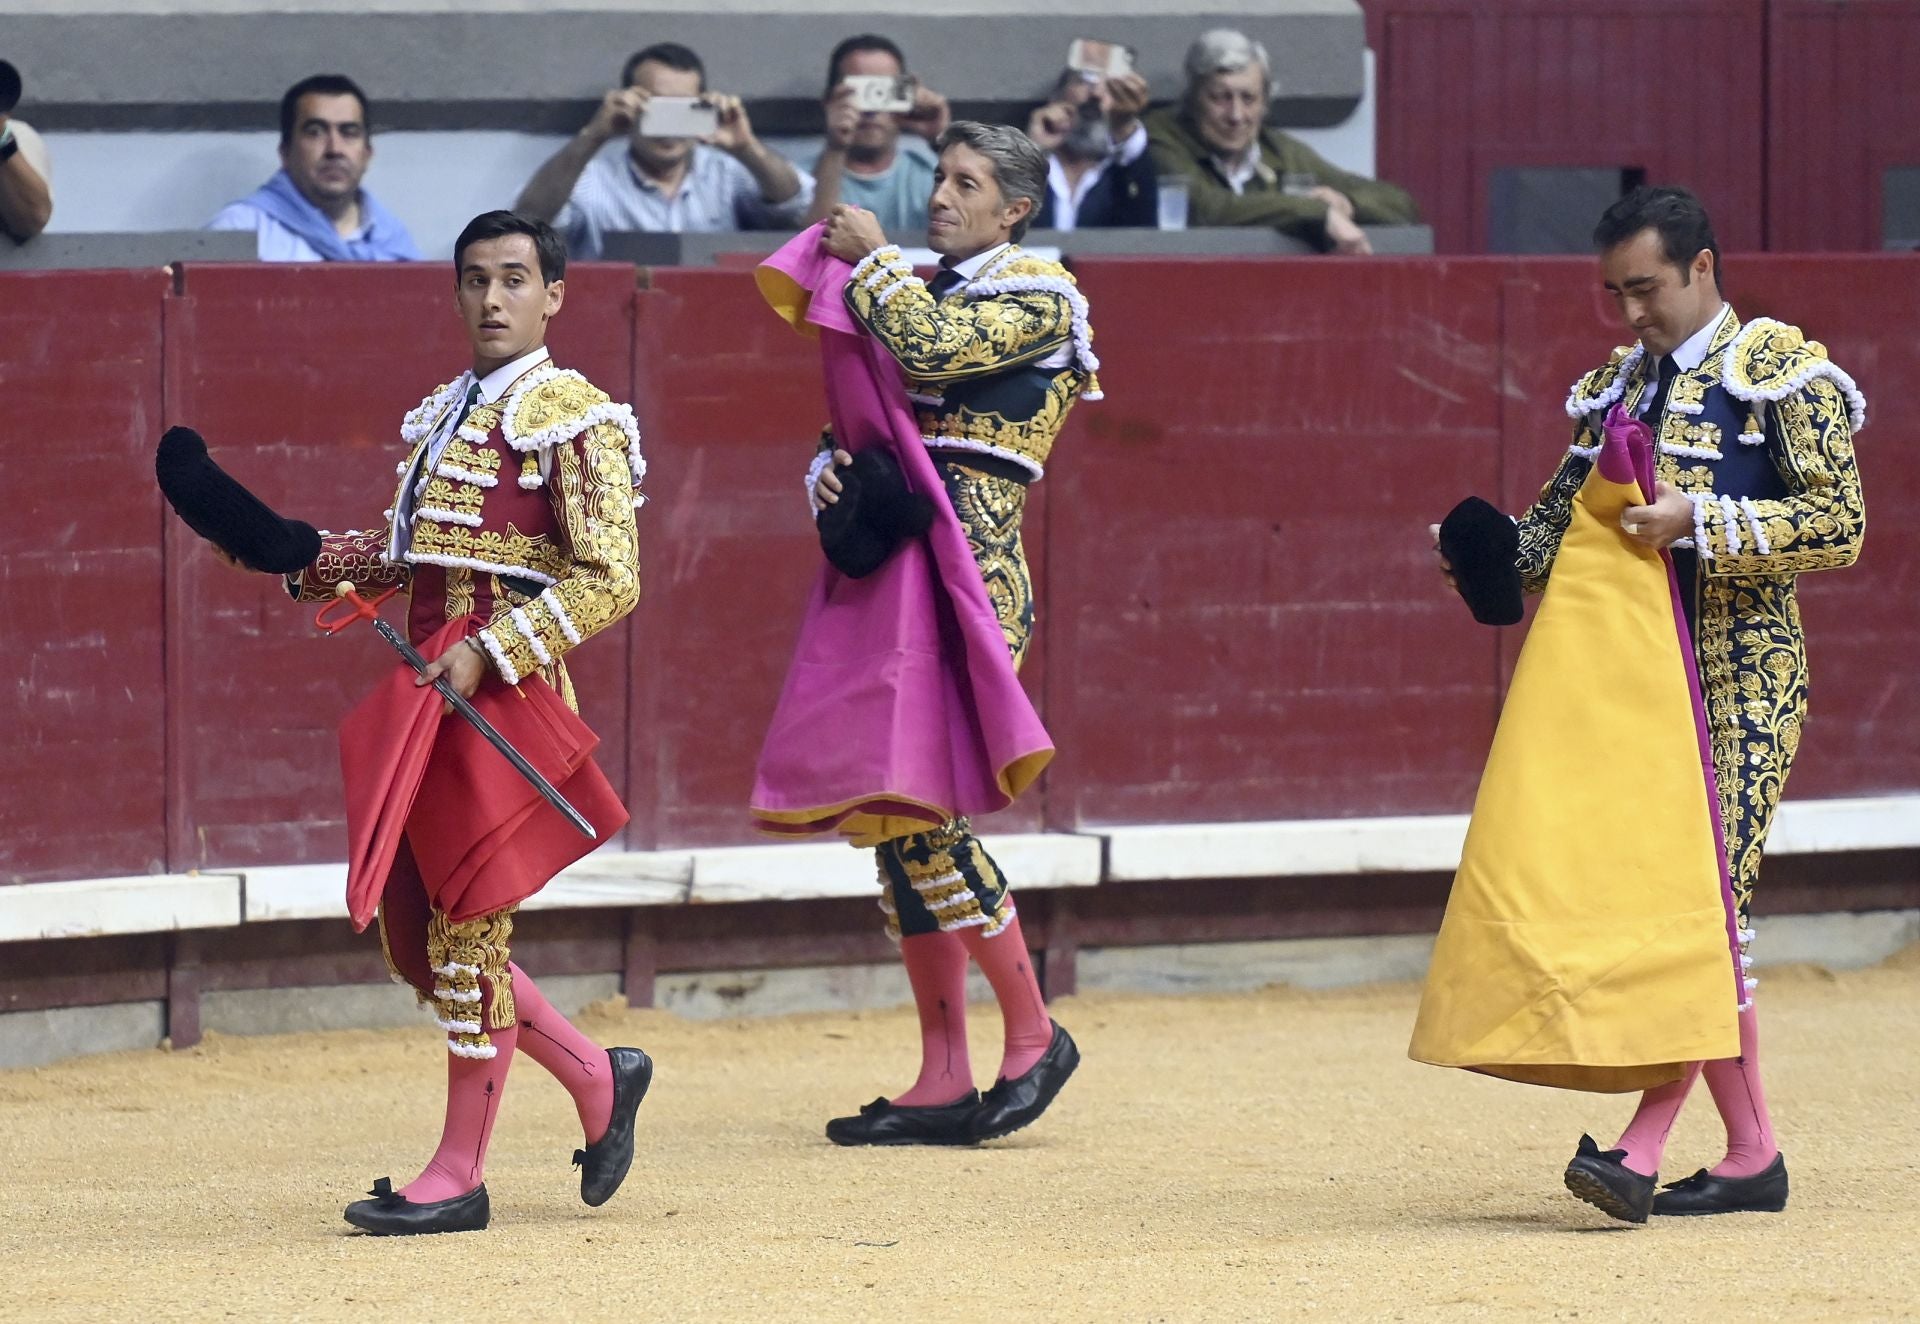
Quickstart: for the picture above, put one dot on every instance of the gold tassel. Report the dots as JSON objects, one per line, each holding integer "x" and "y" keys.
{"x": 530, "y": 469}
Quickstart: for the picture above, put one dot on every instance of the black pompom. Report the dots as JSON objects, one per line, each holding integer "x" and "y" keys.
{"x": 225, "y": 513}
{"x": 1483, "y": 546}
{"x": 875, "y": 514}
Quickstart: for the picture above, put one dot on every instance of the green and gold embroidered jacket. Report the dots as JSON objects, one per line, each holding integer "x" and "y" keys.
{"x": 993, "y": 368}
{"x": 1759, "y": 437}
{"x": 526, "y": 519}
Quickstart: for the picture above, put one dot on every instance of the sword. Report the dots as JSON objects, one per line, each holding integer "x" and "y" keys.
{"x": 330, "y": 619}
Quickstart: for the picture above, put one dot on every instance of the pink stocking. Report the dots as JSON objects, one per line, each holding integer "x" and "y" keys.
{"x": 937, "y": 968}
{"x": 579, "y": 1064}
{"x": 1645, "y": 1138}
{"x": 474, "y": 1087}
{"x": 1007, "y": 965}
{"x": 1735, "y": 1083}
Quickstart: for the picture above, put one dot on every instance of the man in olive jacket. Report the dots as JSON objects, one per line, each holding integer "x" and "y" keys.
{"x": 1241, "y": 172}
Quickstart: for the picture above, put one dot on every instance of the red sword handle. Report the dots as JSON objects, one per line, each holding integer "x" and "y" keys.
{"x": 348, "y": 608}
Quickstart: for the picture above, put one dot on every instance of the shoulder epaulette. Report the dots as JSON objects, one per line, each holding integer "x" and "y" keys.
{"x": 1771, "y": 360}
{"x": 1017, "y": 271}
{"x": 1604, "y": 385}
{"x": 551, "y": 406}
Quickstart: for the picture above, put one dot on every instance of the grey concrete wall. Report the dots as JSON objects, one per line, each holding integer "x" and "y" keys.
{"x": 523, "y": 65}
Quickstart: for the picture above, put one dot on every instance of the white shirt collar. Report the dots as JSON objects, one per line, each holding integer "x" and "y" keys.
{"x": 1694, "y": 352}
{"x": 971, "y": 267}
{"x": 495, "y": 384}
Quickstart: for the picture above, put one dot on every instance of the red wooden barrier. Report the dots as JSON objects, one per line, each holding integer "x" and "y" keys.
{"x": 1239, "y": 614}
{"x": 81, "y": 720}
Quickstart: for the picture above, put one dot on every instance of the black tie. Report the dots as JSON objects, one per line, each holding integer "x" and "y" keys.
{"x": 1668, "y": 371}
{"x": 945, "y": 283}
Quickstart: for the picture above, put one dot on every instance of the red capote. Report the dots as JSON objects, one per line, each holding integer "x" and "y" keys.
{"x": 481, "y": 835}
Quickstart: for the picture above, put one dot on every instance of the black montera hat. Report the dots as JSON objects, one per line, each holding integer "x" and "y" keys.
{"x": 1483, "y": 546}
{"x": 875, "y": 514}
{"x": 225, "y": 513}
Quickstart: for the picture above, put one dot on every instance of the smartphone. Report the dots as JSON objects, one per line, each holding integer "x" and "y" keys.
{"x": 679, "y": 117}
{"x": 1108, "y": 59}
{"x": 882, "y": 94}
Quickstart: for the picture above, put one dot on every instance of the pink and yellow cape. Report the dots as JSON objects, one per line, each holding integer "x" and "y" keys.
{"x": 901, "y": 708}
{"x": 1590, "y": 939}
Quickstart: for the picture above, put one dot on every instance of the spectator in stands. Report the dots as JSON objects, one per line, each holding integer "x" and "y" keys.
{"x": 26, "y": 180}
{"x": 1098, "y": 170}
{"x": 313, "y": 209}
{"x": 729, "y": 181}
{"x": 1241, "y": 172}
{"x": 864, "y": 163}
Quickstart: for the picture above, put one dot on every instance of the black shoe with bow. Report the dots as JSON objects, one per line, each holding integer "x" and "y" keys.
{"x": 389, "y": 1214}
{"x": 884, "y": 1122}
{"x": 1703, "y": 1193}
{"x": 1603, "y": 1180}
{"x": 603, "y": 1164}
{"x": 1012, "y": 1104}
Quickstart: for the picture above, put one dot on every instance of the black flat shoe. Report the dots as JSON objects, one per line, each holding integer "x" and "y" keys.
{"x": 388, "y": 1214}
{"x": 603, "y": 1164}
{"x": 1703, "y": 1193}
{"x": 1012, "y": 1104}
{"x": 883, "y": 1122}
{"x": 1608, "y": 1184}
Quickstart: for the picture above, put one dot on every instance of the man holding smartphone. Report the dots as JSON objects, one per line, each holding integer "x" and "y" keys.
{"x": 692, "y": 163}
{"x": 1098, "y": 171}
{"x": 863, "y": 163}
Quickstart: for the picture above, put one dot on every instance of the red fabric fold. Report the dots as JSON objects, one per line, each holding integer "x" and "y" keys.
{"x": 482, "y": 836}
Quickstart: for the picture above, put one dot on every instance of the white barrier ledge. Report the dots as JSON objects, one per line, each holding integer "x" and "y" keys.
{"x": 1284, "y": 850}
{"x": 96, "y": 907}
{"x": 810, "y": 870}
{"x": 1431, "y": 843}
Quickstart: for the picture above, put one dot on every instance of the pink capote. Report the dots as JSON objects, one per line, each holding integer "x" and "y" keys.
{"x": 902, "y": 708}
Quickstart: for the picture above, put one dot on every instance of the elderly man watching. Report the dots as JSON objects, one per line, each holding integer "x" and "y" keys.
{"x": 314, "y": 209}
{"x": 1098, "y": 171}
{"x": 1242, "y": 172}
{"x": 729, "y": 180}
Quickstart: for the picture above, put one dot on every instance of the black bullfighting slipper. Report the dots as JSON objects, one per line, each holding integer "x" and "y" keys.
{"x": 603, "y": 1164}
{"x": 1603, "y": 1180}
{"x": 1012, "y": 1104}
{"x": 1703, "y": 1193}
{"x": 883, "y": 1122}
{"x": 389, "y": 1214}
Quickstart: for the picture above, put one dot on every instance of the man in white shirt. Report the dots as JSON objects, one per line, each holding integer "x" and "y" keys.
{"x": 1098, "y": 172}
{"x": 730, "y": 181}
{"x": 26, "y": 175}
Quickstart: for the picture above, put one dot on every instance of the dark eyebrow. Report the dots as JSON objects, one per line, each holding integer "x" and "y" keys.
{"x": 473, "y": 268}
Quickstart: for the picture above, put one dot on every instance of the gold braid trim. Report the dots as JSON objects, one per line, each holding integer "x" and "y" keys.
{"x": 461, "y": 954}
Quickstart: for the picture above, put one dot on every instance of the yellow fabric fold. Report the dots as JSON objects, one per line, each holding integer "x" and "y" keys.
{"x": 1585, "y": 944}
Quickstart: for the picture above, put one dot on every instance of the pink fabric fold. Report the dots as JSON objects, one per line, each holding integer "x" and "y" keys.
{"x": 1626, "y": 455}
{"x": 902, "y": 708}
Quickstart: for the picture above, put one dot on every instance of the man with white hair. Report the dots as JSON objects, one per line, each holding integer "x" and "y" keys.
{"x": 1242, "y": 172}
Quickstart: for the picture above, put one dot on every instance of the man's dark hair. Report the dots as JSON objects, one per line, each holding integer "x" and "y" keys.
{"x": 497, "y": 224}
{"x": 1675, "y": 214}
{"x": 670, "y": 53}
{"x": 326, "y": 85}
{"x": 866, "y": 41}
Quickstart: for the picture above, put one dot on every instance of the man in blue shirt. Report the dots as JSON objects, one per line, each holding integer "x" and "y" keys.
{"x": 313, "y": 209}
{"x": 863, "y": 163}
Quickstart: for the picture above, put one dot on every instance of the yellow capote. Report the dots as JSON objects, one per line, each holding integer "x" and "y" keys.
{"x": 1586, "y": 941}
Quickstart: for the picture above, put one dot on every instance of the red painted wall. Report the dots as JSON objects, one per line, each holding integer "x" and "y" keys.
{"x": 1672, "y": 86}
{"x": 1238, "y": 615}
{"x": 1843, "y": 104}
{"x": 1782, "y": 114}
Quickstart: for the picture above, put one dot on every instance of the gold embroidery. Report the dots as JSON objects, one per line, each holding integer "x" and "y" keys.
{"x": 990, "y": 508}
{"x": 462, "y": 954}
